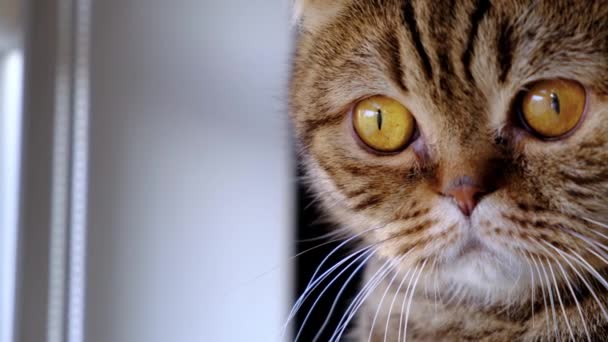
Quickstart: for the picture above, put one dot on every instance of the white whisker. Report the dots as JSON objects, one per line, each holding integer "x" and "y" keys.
{"x": 603, "y": 225}
{"x": 435, "y": 282}
{"x": 371, "y": 330}
{"x": 409, "y": 304}
{"x": 340, "y": 246}
{"x": 584, "y": 280}
{"x": 405, "y": 296}
{"x": 338, "y": 295}
{"x": 591, "y": 269}
{"x": 367, "y": 255}
{"x": 360, "y": 298}
{"x": 388, "y": 317}
{"x": 542, "y": 287}
{"x": 454, "y": 293}
{"x": 533, "y": 302}
{"x": 551, "y": 301}
{"x": 568, "y": 283}
{"x": 557, "y": 291}
{"x": 595, "y": 248}
{"x": 313, "y": 285}
{"x": 561, "y": 303}
{"x": 602, "y": 235}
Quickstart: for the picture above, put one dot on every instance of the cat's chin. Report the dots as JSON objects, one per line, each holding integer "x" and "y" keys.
{"x": 484, "y": 274}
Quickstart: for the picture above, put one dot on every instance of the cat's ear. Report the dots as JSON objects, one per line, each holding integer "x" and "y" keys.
{"x": 312, "y": 14}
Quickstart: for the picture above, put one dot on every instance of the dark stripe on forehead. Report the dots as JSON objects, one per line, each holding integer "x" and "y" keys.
{"x": 481, "y": 9}
{"x": 505, "y": 50}
{"x": 441, "y": 25}
{"x": 409, "y": 17}
{"x": 395, "y": 62}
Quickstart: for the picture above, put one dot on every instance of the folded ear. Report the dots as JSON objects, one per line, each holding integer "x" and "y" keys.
{"x": 312, "y": 14}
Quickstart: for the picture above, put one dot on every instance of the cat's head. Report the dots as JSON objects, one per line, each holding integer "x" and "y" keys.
{"x": 469, "y": 136}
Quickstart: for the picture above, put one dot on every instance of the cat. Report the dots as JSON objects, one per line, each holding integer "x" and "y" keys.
{"x": 464, "y": 144}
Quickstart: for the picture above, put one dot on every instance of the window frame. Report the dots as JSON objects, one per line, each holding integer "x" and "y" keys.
{"x": 52, "y": 224}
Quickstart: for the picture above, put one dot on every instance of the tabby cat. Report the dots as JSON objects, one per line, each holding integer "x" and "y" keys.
{"x": 464, "y": 144}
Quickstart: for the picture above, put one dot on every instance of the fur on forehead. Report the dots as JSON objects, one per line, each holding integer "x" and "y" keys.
{"x": 310, "y": 15}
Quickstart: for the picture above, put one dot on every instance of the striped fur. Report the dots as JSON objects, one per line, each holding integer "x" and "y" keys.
{"x": 458, "y": 66}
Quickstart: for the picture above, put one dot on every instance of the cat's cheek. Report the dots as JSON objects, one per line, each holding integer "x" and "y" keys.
{"x": 336, "y": 204}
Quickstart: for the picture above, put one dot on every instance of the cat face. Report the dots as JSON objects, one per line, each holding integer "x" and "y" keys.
{"x": 477, "y": 190}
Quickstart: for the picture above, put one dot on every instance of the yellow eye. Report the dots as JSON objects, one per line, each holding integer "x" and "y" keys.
{"x": 553, "y": 108}
{"x": 383, "y": 124}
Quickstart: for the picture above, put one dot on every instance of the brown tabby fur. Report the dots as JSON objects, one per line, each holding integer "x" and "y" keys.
{"x": 458, "y": 66}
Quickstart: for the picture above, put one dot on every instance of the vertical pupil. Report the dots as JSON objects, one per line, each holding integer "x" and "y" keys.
{"x": 555, "y": 103}
{"x": 379, "y": 119}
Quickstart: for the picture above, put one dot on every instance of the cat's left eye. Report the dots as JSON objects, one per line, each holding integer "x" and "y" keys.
{"x": 383, "y": 124}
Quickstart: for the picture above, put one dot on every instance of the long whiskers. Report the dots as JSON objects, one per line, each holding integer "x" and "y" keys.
{"x": 409, "y": 304}
{"x": 371, "y": 285}
{"x": 405, "y": 296}
{"x": 568, "y": 283}
{"x": 567, "y": 256}
{"x": 388, "y": 317}
{"x": 561, "y": 303}
{"x": 532, "y": 278}
{"x": 366, "y": 255}
{"x": 290, "y": 259}
{"x": 315, "y": 282}
{"x": 543, "y": 267}
{"x": 596, "y": 246}
{"x": 342, "y": 245}
{"x": 340, "y": 292}
{"x": 371, "y": 330}
{"x": 542, "y": 287}
{"x": 598, "y": 223}
{"x": 343, "y": 233}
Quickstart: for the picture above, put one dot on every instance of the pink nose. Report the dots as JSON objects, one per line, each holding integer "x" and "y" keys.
{"x": 466, "y": 196}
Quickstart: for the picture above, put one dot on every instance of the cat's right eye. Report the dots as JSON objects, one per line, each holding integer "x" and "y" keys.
{"x": 383, "y": 124}
{"x": 553, "y": 108}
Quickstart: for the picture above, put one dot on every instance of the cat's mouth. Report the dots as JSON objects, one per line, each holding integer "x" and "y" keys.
{"x": 471, "y": 246}
{"x": 473, "y": 242}
{"x": 468, "y": 249}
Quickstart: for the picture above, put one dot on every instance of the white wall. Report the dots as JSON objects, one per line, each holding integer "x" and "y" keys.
{"x": 11, "y": 74}
{"x": 191, "y": 182}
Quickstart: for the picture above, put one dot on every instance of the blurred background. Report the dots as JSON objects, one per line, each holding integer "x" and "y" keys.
{"x": 147, "y": 181}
